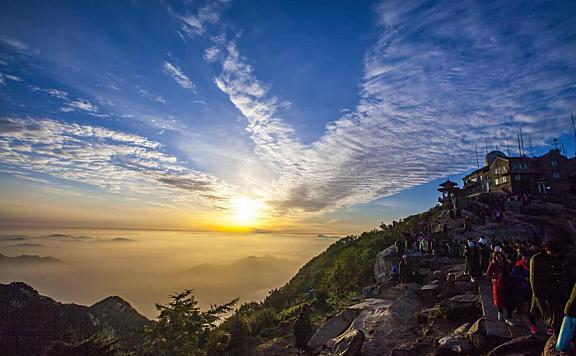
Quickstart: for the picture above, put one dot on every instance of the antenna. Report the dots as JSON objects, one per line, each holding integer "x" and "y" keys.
{"x": 477, "y": 160}
{"x": 555, "y": 142}
{"x": 486, "y": 146}
{"x": 519, "y": 146}
{"x": 531, "y": 149}
{"x": 574, "y": 127}
{"x": 508, "y": 147}
{"x": 522, "y": 142}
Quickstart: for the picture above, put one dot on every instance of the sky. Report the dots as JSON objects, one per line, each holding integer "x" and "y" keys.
{"x": 267, "y": 116}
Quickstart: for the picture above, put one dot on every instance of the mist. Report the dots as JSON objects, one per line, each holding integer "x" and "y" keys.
{"x": 145, "y": 267}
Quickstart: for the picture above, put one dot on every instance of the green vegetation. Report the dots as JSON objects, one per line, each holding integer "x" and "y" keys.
{"x": 182, "y": 329}
{"x": 336, "y": 278}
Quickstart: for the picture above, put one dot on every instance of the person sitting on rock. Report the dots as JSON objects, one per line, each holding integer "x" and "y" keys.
{"x": 522, "y": 289}
{"x": 552, "y": 278}
{"x": 303, "y": 330}
{"x": 499, "y": 273}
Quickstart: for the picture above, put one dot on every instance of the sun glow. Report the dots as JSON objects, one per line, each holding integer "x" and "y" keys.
{"x": 245, "y": 211}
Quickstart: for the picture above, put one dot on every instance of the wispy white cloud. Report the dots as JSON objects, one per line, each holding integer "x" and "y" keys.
{"x": 176, "y": 73}
{"x": 80, "y": 104}
{"x": 115, "y": 161}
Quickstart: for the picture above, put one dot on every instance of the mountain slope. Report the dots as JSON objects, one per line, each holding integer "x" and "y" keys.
{"x": 30, "y": 323}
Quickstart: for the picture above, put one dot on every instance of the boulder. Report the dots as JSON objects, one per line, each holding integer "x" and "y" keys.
{"x": 391, "y": 328}
{"x": 521, "y": 346}
{"x": 457, "y": 343}
{"x": 332, "y": 328}
{"x": 427, "y": 315}
{"x": 370, "y": 291}
{"x": 465, "y": 286}
{"x": 461, "y": 307}
{"x": 348, "y": 344}
{"x": 462, "y": 329}
{"x": 439, "y": 276}
{"x": 428, "y": 292}
{"x": 477, "y": 335}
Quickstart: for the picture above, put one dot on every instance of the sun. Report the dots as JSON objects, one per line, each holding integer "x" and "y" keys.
{"x": 245, "y": 211}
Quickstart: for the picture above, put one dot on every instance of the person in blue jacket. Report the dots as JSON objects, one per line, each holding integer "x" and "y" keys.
{"x": 522, "y": 290}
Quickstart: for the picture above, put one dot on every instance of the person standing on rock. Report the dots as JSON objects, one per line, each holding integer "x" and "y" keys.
{"x": 472, "y": 261}
{"x": 499, "y": 273}
{"x": 303, "y": 330}
{"x": 405, "y": 271}
{"x": 522, "y": 289}
{"x": 552, "y": 278}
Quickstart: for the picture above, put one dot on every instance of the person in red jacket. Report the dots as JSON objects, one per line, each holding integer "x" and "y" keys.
{"x": 499, "y": 272}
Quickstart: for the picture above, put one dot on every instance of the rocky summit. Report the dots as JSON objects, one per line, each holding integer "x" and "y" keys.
{"x": 31, "y": 324}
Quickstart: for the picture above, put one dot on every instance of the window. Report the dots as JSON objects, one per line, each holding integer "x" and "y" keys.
{"x": 554, "y": 163}
{"x": 556, "y": 175}
{"x": 518, "y": 177}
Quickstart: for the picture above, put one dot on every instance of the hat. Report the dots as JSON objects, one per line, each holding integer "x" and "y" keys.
{"x": 497, "y": 249}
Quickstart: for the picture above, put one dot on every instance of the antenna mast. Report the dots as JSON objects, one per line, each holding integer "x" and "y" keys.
{"x": 477, "y": 161}
{"x": 522, "y": 142}
{"x": 519, "y": 146}
{"x": 574, "y": 128}
{"x": 508, "y": 147}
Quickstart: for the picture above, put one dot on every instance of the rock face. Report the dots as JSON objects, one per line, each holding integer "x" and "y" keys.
{"x": 521, "y": 346}
{"x": 30, "y": 322}
{"x": 331, "y": 329}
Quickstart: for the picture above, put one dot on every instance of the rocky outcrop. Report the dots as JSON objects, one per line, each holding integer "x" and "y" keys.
{"x": 528, "y": 345}
{"x": 331, "y": 329}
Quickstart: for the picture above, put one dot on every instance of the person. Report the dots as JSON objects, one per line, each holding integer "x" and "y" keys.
{"x": 472, "y": 261}
{"x": 484, "y": 255}
{"x": 405, "y": 271}
{"x": 522, "y": 289}
{"x": 303, "y": 330}
{"x": 551, "y": 278}
{"x": 499, "y": 272}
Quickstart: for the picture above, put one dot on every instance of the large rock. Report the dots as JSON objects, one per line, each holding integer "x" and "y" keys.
{"x": 393, "y": 327}
{"x": 477, "y": 335}
{"x": 348, "y": 344}
{"x": 521, "y": 346}
{"x": 461, "y": 307}
{"x": 457, "y": 343}
{"x": 428, "y": 292}
{"x": 426, "y": 315}
{"x": 462, "y": 329}
{"x": 332, "y": 328}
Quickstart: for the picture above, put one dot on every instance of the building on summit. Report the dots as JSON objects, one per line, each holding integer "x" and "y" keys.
{"x": 552, "y": 173}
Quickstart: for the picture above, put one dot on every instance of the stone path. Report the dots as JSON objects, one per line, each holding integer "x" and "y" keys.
{"x": 497, "y": 328}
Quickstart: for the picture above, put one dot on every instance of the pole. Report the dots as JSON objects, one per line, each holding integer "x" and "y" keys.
{"x": 522, "y": 141}
{"x": 519, "y": 146}
{"x": 574, "y": 128}
{"x": 477, "y": 161}
{"x": 508, "y": 147}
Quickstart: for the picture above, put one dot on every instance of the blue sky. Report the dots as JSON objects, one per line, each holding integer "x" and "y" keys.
{"x": 328, "y": 115}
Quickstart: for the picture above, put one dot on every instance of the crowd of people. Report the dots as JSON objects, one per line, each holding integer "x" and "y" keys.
{"x": 532, "y": 278}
